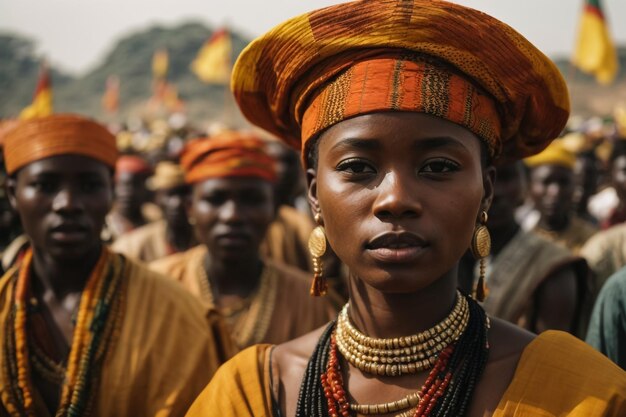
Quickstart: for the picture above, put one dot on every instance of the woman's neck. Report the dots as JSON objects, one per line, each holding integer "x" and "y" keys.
{"x": 64, "y": 277}
{"x": 233, "y": 278}
{"x": 385, "y": 315}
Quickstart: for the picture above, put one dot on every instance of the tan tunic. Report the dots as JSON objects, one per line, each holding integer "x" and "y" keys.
{"x": 146, "y": 243}
{"x": 606, "y": 253}
{"x": 573, "y": 236}
{"x": 514, "y": 276}
{"x": 168, "y": 349}
{"x": 287, "y": 239}
{"x": 281, "y": 308}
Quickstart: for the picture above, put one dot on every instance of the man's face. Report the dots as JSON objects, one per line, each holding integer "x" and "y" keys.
{"x": 130, "y": 190}
{"x": 62, "y": 202}
{"x": 551, "y": 188}
{"x": 173, "y": 203}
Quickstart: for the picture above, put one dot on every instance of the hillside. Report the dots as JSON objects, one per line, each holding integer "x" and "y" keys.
{"x": 588, "y": 97}
{"x": 130, "y": 59}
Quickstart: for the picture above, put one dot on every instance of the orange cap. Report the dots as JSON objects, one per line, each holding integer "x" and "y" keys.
{"x": 59, "y": 134}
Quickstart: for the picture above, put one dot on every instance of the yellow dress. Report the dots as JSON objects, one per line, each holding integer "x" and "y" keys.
{"x": 557, "y": 375}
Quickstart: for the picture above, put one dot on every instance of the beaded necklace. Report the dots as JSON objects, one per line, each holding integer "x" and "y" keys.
{"x": 400, "y": 355}
{"x": 251, "y": 320}
{"x": 446, "y": 392}
{"x": 97, "y": 328}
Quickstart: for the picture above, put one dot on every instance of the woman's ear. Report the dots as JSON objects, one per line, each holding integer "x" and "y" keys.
{"x": 489, "y": 180}
{"x": 311, "y": 180}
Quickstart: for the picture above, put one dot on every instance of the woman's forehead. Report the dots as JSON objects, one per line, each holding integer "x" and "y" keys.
{"x": 404, "y": 129}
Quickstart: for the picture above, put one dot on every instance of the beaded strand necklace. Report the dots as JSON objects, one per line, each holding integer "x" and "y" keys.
{"x": 446, "y": 392}
{"x": 97, "y": 328}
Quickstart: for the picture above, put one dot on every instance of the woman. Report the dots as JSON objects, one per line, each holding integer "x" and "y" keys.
{"x": 399, "y": 107}
{"x": 232, "y": 205}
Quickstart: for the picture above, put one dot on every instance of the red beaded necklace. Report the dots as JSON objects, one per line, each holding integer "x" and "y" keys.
{"x": 337, "y": 400}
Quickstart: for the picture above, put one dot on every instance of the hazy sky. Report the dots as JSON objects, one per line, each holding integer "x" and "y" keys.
{"x": 75, "y": 34}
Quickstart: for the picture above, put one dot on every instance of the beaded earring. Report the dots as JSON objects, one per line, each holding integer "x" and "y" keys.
{"x": 481, "y": 247}
{"x": 317, "y": 248}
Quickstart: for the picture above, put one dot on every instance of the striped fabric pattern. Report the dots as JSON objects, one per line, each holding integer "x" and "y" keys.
{"x": 278, "y": 75}
{"x": 58, "y": 134}
{"x": 227, "y": 154}
{"x": 403, "y": 83}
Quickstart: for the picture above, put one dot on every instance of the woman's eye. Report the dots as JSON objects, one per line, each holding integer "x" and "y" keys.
{"x": 440, "y": 166}
{"x": 355, "y": 167}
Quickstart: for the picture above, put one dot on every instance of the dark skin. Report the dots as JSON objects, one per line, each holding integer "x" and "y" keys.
{"x": 551, "y": 189}
{"x": 556, "y": 298}
{"x": 130, "y": 195}
{"x": 173, "y": 204}
{"x": 231, "y": 218}
{"x": 618, "y": 179}
{"x": 62, "y": 202}
{"x": 417, "y": 175}
{"x": 586, "y": 183}
{"x": 290, "y": 178}
{"x": 10, "y": 226}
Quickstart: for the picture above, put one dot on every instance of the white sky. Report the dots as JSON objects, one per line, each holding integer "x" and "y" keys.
{"x": 75, "y": 34}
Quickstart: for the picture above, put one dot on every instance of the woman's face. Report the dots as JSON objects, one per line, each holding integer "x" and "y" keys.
{"x": 399, "y": 195}
{"x": 232, "y": 215}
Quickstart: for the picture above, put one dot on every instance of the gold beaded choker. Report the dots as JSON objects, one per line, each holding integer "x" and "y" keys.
{"x": 410, "y": 401}
{"x": 400, "y": 355}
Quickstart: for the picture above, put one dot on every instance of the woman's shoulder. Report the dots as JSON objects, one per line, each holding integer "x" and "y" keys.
{"x": 561, "y": 375}
{"x": 239, "y": 388}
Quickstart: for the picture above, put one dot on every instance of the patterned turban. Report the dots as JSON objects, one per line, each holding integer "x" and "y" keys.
{"x": 427, "y": 56}
{"x": 555, "y": 154}
{"x": 227, "y": 154}
{"x": 59, "y": 134}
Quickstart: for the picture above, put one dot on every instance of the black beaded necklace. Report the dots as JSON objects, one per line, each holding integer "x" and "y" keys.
{"x": 466, "y": 365}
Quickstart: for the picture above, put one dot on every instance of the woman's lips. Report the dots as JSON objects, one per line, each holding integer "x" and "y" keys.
{"x": 403, "y": 247}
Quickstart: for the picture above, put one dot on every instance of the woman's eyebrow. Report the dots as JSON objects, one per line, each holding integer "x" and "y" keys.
{"x": 439, "y": 142}
{"x": 359, "y": 143}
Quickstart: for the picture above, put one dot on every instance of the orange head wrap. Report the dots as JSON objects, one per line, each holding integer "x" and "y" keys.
{"x": 59, "y": 134}
{"x": 228, "y": 154}
{"x": 427, "y": 56}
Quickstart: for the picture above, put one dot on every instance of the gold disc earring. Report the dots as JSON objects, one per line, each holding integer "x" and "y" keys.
{"x": 317, "y": 248}
{"x": 481, "y": 247}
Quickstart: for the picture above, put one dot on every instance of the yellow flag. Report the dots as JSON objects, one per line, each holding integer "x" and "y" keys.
{"x": 160, "y": 63}
{"x": 212, "y": 65}
{"x": 42, "y": 100}
{"x": 595, "y": 52}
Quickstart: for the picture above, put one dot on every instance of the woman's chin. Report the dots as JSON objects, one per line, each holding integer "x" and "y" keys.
{"x": 397, "y": 283}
